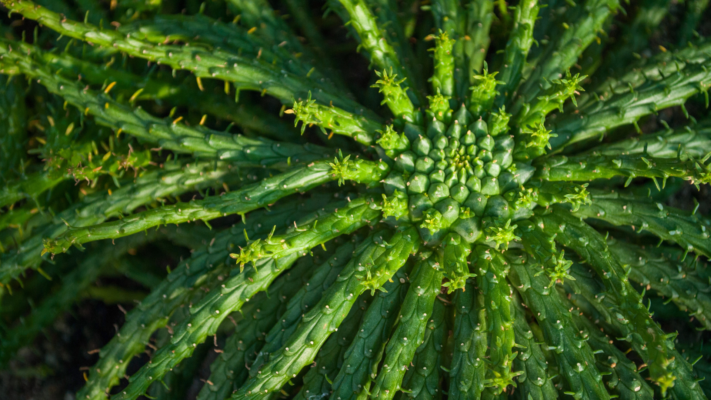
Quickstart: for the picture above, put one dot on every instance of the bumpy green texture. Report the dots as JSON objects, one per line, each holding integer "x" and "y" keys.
{"x": 589, "y": 296}
{"x": 422, "y": 380}
{"x": 238, "y": 202}
{"x": 374, "y": 262}
{"x": 365, "y": 353}
{"x": 492, "y": 282}
{"x": 317, "y": 382}
{"x": 174, "y": 179}
{"x": 303, "y": 301}
{"x": 572, "y": 353}
{"x": 591, "y": 247}
{"x": 230, "y": 369}
{"x": 409, "y": 333}
{"x": 535, "y": 379}
{"x": 497, "y": 209}
{"x": 468, "y": 370}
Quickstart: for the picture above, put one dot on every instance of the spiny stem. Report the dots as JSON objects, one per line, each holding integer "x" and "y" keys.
{"x": 454, "y": 258}
{"x": 590, "y": 296}
{"x": 493, "y": 284}
{"x": 175, "y": 179}
{"x": 468, "y": 369}
{"x": 170, "y": 135}
{"x": 245, "y": 73}
{"x": 535, "y": 382}
{"x": 574, "y": 357}
{"x": 665, "y": 271}
{"x": 339, "y": 121}
{"x": 409, "y": 333}
{"x": 303, "y": 301}
{"x": 375, "y": 261}
{"x": 691, "y": 141}
{"x": 443, "y": 78}
{"x": 452, "y": 22}
{"x": 623, "y": 377}
{"x": 207, "y": 315}
{"x": 690, "y": 231}
{"x": 265, "y": 312}
{"x": 480, "y": 14}
{"x": 426, "y": 367}
{"x": 647, "y": 71}
{"x": 209, "y": 265}
{"x": 585, "y": 168}
{"x": 372, "y": 39}
{"x": 241, "y": 201}
{"x": 581, "y": 26}
{"x": 591, "y": 246}
{"x": 627, "y": 108}
{"x": 187, "y": 93}
{"x": 317, "y": 382}
{"x": 362, "y": 358}
{"x": 520, "y": 41}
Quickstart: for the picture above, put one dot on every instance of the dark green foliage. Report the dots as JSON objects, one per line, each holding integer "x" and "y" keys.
{"x": 469, "y": 238}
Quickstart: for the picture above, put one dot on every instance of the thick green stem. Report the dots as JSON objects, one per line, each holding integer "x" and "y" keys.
{"x": 520, "y": 41}
{"x": 276, "y": 311}
{"x": 573, "y": 355}
{"x": 691, "y": 141}
{"x": 209, "y": 265}
{"x": 689, "y": 230}
{"x": 173, "y": 180}
{"x": 202, "y": 142}
{"x": 132, "y": 87}
{"x": 373, "y": 40}
{"x": 586, "y": 168}
{"x": 623, "y": 377}
{"x": 389, "y": 14}
{"x": 535, "y": 382}
{"x": 317, "y": 382}
{"x": 589, "y": 295}
{"x": 591, "y": 247}
{"x": 468, "y": 370}
{"x": 305, "y": 300}
{"x": 206, "y": 316}
{"x": 422, "y": 380}
{"x": 251, "y": 197}
{"x": 598, "y": 117}
{"x": 670, "y": 275}
{"x": 374, "y": 263}
{"x": 480, "y": 14}
{"x": 581, "y": 27}
{"x": 491, "y": 278}
{"x": 361, "y": 360}
{"x": 245, "y": 73}
{"x": 409, "y": 333}
{"x": 452, "y": 22}
{"x": 663, "y": 64}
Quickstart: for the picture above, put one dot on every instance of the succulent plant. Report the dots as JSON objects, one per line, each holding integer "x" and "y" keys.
{"x": 478, "y": 234}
